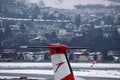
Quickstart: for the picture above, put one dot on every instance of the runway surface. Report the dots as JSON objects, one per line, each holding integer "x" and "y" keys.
{"x": 35, "y": 70}
{"x": 86, "y": 78}
{"x": 85, "y": 74}
{"x": 94, "y": 78}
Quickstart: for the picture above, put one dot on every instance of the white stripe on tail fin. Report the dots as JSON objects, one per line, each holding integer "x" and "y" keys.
{"x": 61, "y": 65}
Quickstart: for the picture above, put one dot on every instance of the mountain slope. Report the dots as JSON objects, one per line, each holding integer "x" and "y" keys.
{"x": 117, "y": 1}
{"x": 69, "y": 4}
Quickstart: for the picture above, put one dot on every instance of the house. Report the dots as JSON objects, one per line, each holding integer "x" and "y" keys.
{"x": 80, "y": 56}
{"x": 95, "y": 56}
{"x": 114, "y": 55}
{"x": 7, "y": 55}
{"x": 30, "y": 56}
{"x": 46, "y": 55}
{"x": 33, "y": 56}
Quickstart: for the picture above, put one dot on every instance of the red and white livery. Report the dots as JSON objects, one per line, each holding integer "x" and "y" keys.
{"x": 61, "y": 65}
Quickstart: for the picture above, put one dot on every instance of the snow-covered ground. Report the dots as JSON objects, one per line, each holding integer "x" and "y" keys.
{"x": 69, "y": 4}
{"x": 49, "y": 65}
{"x": 82, "y": 73}
{"x": 37, "y": 69}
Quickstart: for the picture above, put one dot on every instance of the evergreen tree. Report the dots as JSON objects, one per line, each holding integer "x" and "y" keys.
{"x": 35, "y": 12}
{"x": 1, "y": 37}
{"x": 78, "y": 20}
{"x": 116, "y": 40}
{"x": 22, "y": 28}
{"x": 8, "y": 31}
{"x": 109, "y": 20}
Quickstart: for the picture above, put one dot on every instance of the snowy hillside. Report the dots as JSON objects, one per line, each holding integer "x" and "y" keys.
{"x": 69, "y": 4}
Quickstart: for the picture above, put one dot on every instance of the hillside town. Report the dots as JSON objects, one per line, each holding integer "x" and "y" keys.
{"x": 31, "y": 24}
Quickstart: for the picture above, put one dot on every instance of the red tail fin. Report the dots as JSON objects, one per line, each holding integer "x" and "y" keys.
{"x": 61, "y": 66}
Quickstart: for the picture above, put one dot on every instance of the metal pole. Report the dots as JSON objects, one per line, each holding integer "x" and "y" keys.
{"x": 1, "y": 23}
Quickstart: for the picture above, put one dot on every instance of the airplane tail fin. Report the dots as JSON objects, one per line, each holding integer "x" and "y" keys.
{"x": 60, "y": 62}
{"x": 61, "y": 65}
